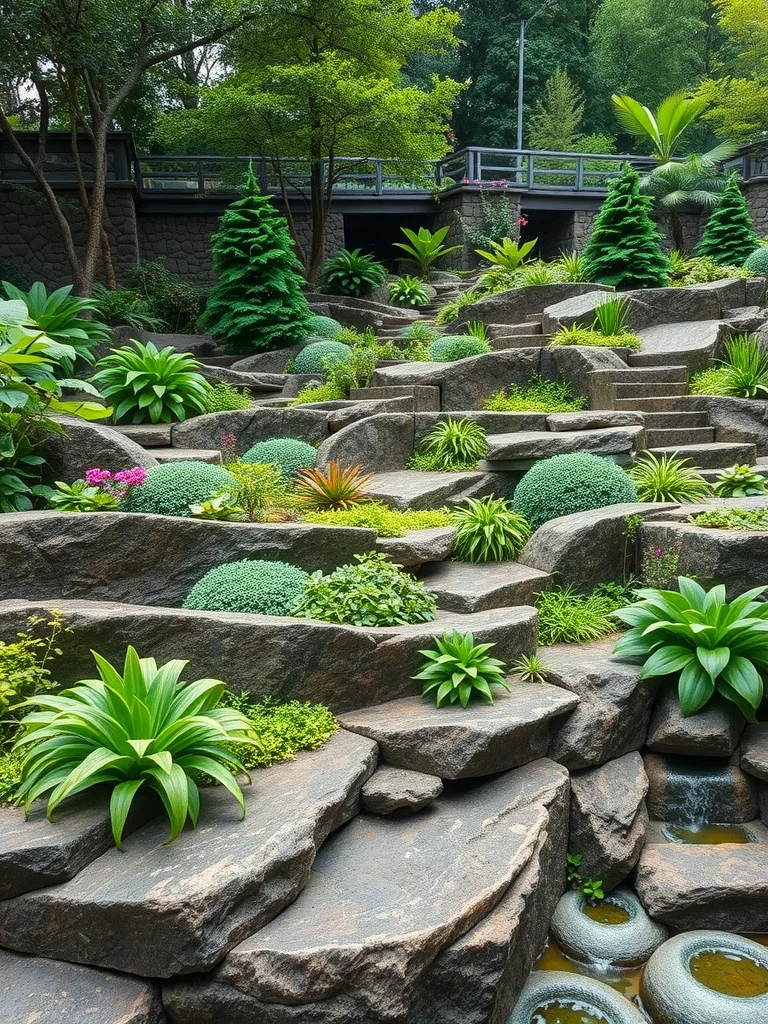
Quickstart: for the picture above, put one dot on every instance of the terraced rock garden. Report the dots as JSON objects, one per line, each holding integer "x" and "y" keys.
{"x": 397, "y": 675}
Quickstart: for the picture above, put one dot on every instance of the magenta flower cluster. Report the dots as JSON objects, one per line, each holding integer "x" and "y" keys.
{"x": 117, "y": 484}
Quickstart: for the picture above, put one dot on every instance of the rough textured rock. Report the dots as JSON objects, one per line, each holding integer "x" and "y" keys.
{"x": 409, "y": 488}
{"x": 587, "y": 547}
{"x": 461, "y": 743}
{"x": 85, "y": 445}
{"x": 158, "y": 910}
{"x": 579, "y": 310}
{"x": 491, "y": 422}
{"x": 35, "y": 852}
{"x": 734, "y": 419}
{"x": 250, "y": 426}
{"x": 593, "y": 419}
{"x": 472, "y": 587}
{"x": 512, "y": 307}
{"x": 396, "y": 789}
{"x": 418, "y": 546}
{"x": 36, "y": 991}
{"x": 692, "y": 790}
{"x": 527, "y": 445}
{"x": 608, "y": 818}
{"x": 380, "y": 924}
{"x": 126, "y": 556}
{"x": 253, "y": 382}
{"x": 754, "y": 751}
{"x": 351, "y": 412}
{"x": 679, "y": 344}
{"x": 722, "y": 886}
{"x": 423, "y": 398}
{"x": 736, "y": 558}
{"x": 267, "y": 362}
{"x": 577, "y": 364}
{"x": 304, "y": 659}
{"x": 694, "y": 302}
{"x": 713, "y": 732}
{"x": 378, "y": 443}
{"x": 615, "y": 704}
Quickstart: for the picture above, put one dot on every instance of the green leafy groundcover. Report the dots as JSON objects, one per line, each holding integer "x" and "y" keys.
{"x": 387, "y": 522}
{"x": 283, "y": 729}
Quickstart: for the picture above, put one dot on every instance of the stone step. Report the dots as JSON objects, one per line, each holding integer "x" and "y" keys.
{"x": 426, "y": 397}
{"x": 665, "y": 437}
{"x": 717, "y": 455}
{"x": 406, "y": 918}
{"x": 409, "y": 488}
{"x": 148, "y": 435}
{"x": 470, "y": 587}
{"x": 641, "y": 374}
{"x": 509, "y": 330}
{"x": 669, "y": 403}
{"x": 656, "y": 358}
{"x": 211, "y": 455}
{"x": 670, "y": 420}
{"x": 506, "y": 450}
{"x": 157, "y": 910}
{"x": 503, "y": 342}
{"x": 656, "y": 389}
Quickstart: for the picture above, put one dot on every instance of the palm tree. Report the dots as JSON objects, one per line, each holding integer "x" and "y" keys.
{"x": 674, "y": 183}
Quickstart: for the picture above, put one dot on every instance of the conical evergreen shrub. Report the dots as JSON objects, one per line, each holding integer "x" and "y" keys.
{"x": 623, "y": 249}
{"x": 258, "y": 301}
{"x": 729, "y": 237}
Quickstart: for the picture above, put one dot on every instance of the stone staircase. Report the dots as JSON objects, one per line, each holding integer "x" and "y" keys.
{"x": 156, "y": 438}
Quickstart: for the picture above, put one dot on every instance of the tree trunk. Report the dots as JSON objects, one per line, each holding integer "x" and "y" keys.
{"x": 317, "y": 204}
{"x": 676, "y": 225}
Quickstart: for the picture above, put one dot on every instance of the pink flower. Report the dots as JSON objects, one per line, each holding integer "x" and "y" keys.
{"x": 131, "y": 477}
{"x": 522, "y": 221}
{"x": 658, "y": 552}
{"x": 96, "y": 477}
{"x": 465, "y": 180}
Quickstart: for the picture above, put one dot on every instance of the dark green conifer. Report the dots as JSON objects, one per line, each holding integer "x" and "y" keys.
{"x": 623, "y": 249}
{"x": 258, "y": 301}
{"x": 729, "y": 237}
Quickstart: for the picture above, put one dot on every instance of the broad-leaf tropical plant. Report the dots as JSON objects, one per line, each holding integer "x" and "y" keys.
{"x": 426, "y": 247}
{"x": 144, "y": 728}
{"x": 352, "y": 272}
{"x": 458, "y": 671}
{"x": 740, "y": 482}
{"x": 507, "y": 253}
{"x": 710, "y": 644}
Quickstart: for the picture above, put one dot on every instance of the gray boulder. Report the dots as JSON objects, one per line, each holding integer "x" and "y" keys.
{"x": 416, "y": 547}
{"x": 84, "y": 445}
{"x": 395, "y": 789}
{"x": 377, "y": 443}
{"x": 253, "y": 382}
{"x": 754, "y": 751}
{"x": 526, "y": 446}
{"x": 350, "y": 412}
{"x": 593, "y": 419}
{"x": 267, "y": 362}
{"x": 250, "y": 426}
{"x": 736, "y": 420}
{"x": 513, "y": 306}
{"x": 608, "y": 818}
{"x": 713, "y": 732}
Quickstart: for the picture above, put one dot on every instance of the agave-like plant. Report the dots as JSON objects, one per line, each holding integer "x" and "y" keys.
{"x": 142, "y": 729}
{"x": 147, "y": 384}
{"x": 710, "y": 644}
{"x": 336, "y": 487}
{"x": 667, "y": 478}
{"x": 487, "y": 530}
{"x": 739, "y": 482}
{"x": 425, "y": 247}
{"x": 507, "y": 253}
{"x": 457, "y": 670}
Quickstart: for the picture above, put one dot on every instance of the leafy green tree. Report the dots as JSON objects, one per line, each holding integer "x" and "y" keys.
{"x": 556, "y": 121}
{"x": 258, "y": 301}
{"x": 82, "y": 59}
{"x": 322, "y": 81}
{"x": 729, "y": 237}
{"x": 623, "y": 249}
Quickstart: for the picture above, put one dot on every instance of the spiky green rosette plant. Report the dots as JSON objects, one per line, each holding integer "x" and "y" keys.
{"x": 728, "y": 236}
{"x": 147, "y": 385}
{"x": 258, "y": 301}
{"x": 709, "y": 643}
{"x": 487, "y": 530}
{"x": 459, "y": 671}
{"x": 668, "y": 478}
{"x": 143, "y": 729}
{"x": 623, "y": 249}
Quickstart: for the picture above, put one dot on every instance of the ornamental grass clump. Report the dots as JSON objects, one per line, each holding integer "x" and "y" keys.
{"x": 702, "y": 640}
{"x": 567, "y": 617}
{"x": 667, "y": 478}
{"x": 487, "y": 530}
{"x": 352, "y": 272}
{"x": 575, "y": 482}
{"x": 251, "y": 586}
{"x": 452, "y": 445}
{"x": 372, "y": 593}
{"x": 142, "y": 729}
{"x": 458, "y": 671}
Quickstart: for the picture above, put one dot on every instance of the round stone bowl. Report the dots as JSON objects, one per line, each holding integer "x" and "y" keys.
{"x": 546, "y": 987}
{"x": 672, "y": 995}
{"x": 625, "y": 945}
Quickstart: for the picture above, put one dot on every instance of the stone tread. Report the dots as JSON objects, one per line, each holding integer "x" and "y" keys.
{"x": 646, "y": 389}
{"x": 471, "y": 587}
{"x": 717, "y": 455}
{"x": 148, "y": 435}
{"x": 675, "y": 420}
{"x": 663, "y": 437}
{"x": 408, "y": 488}
{"x": 211, "y": 455}
{"x": 540, "y": 444}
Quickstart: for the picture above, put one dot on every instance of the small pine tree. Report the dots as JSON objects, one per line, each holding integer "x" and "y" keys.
{"x": 729, "y": 236}
{"x": 556, "y": 121}
{"x": 258, "y": 301}
{"x": 623, "y": 249}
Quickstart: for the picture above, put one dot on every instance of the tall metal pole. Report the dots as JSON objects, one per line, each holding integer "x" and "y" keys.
{"x": 520, "y": 83}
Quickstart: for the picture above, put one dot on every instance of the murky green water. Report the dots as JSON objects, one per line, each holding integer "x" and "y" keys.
{"x": 730, "y": 974}
{"x": 558, "y": 1013}
{"x": 706, "y": 835}
{"x": 606, "y": 912}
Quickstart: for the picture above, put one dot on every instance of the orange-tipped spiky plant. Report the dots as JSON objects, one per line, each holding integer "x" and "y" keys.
{"x": 336, "y": 487}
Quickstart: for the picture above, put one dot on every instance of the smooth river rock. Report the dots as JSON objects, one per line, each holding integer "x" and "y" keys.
{"x": 395, "y": 909}
{"x": 157, "y": 910}
{"x": 460, "y": 743}
{"x": 396, "y": 789}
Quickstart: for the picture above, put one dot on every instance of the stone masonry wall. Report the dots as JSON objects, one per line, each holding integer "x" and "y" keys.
{"x": 756, "y": 192}
{"x": 468, "y": 205}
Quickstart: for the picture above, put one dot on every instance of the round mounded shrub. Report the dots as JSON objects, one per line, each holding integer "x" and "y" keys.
{"x": 170, "y": 489}
{"x": 324, "y": 327}
{"x": 254, "y": 586}
{"x": 758, "y": 260}
{"x": 310, "y": 359}
{"x": 289, "y": 453}
{"x": 570, "y": 483}
{"x": 449, "y": 349}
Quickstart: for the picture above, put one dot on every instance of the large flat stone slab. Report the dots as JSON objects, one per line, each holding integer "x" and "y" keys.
{"x": 543, "y": 444}
{"x": 614, "y": 708}
{"x": 304, "y": 659}
{"x": 712, "y": 732}
{"x": 410, "y": 488}
{"x": 157, "y": 910}
{"x": 416, "y": 547}
{"x": 387, "y": 898}
{"x": 460, "y": 743}
{"x": 723, "y": 886}
{"x": 36, "y": 991}
{"x": 471, "y": 587}
{"x": 754, "y": 751}
{"x": 513, "y": 305}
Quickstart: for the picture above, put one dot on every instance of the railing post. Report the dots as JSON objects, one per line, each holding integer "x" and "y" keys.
{"x": 137, "y": 173}
{"x": 469, "y": 166}
{"x": 531, "y": 171}
{"x": 438, "y": 172}
{"x": 479, "y": 166}
{"x": 200, "y": 176}
{"x": 263, "y": 175}
{"x": 379, "y": 178}
{"x": 579, "y": 173}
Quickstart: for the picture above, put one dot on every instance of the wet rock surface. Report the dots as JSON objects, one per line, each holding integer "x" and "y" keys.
{"x": 688, "y": 790}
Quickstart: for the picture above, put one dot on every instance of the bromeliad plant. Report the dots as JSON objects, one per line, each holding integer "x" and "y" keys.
{"x": 151, "y": 385}
{"x": 487, "y": 530}
{"x": 426, "y": 247}
{"x": 336, "y": 487}
{"x": 352, "y": 272}
{"x": 144, "y": 728}
{"x": 459, "y": 671}
{"x": 408, "y": 292}
{"x": 710, "y": 644}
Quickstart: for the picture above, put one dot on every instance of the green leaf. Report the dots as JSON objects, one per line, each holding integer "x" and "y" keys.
{"x": 713, "y": 661}
{"x": 742, "y": 675}
{"x": 666, "y": 661}
{"x": 694, "y": 688}
{"x": 120, "y": 805}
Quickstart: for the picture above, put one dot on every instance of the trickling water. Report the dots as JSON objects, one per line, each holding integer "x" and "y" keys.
{"x": 697, "y": 791}
{"x": 625, "y": 980}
